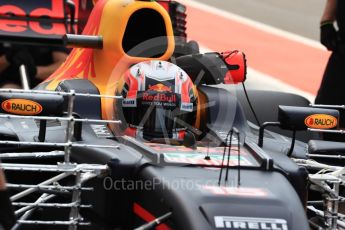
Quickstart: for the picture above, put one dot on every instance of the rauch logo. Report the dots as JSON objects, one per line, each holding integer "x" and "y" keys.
{"x": 321, "y": 121}
{"x": 21, "y": 107}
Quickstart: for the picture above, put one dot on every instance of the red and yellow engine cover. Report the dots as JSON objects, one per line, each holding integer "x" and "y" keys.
{"x": 104, "y": 67}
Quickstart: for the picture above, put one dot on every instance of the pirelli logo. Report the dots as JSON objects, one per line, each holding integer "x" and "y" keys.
{"x": 235, "y": 222}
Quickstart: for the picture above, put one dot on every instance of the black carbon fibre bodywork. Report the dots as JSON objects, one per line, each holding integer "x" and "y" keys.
{"x": 177, "y": 179}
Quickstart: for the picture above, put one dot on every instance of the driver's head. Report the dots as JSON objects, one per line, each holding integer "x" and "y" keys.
{"x": 159, "y": 100}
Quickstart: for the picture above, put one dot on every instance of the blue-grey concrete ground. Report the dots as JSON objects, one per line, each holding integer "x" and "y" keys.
{"x": 297, "y": 16}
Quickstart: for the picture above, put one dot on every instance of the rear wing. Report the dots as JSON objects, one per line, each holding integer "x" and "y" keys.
{"x": 42, "y": 21}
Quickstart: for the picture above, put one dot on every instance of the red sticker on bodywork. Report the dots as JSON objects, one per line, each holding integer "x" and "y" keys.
{"x": 236, "y": 191}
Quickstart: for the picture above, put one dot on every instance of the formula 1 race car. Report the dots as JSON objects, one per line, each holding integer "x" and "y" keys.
{"x": 133, "y": 132}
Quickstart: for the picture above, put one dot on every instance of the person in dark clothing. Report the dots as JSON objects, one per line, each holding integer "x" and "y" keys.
{"x": 332, "y": 90}
{"x": 7, "y": 218}
{"x": 40, "y": 63}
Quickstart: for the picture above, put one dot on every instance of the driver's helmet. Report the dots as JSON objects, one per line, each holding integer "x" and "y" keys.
{"x": 159, "y": 100}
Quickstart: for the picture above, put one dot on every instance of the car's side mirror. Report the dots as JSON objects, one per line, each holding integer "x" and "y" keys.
{"x": 323, "y": 148}
{"x": 302, "y": 118}
{"x": 215, "y": 68}
{"x": 32, "y": 104}
{"x": 27, "y": 104}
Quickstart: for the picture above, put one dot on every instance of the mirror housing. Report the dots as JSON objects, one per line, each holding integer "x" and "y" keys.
{"x": 326, "y": 147}
{"x": 302, "y": 118}
{"x": 28, "y": 104}
{"x": 215, "y": 68}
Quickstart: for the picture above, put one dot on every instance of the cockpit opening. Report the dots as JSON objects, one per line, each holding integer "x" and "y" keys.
{"x": 145, "y": 34}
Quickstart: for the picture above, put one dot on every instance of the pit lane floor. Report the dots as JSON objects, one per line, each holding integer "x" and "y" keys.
{"x": 278, "y": 37}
